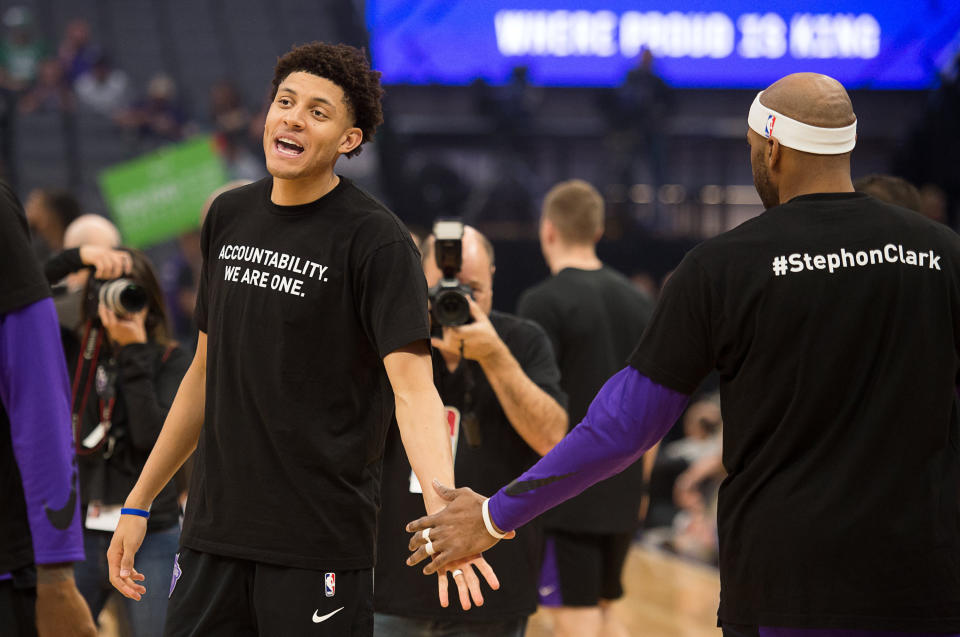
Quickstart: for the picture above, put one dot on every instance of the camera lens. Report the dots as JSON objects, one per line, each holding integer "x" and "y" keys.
{"x": 451, "y": 308}
{"x": 123, "y": 296}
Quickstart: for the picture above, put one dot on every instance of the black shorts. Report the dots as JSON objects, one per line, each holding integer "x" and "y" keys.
{"x": 582, "y": 569}
{"x": 18, "y": 598}
{"x": 216, "y": 596}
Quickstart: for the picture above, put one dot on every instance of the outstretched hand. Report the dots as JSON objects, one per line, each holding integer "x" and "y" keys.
{"x": 468, "y": 584}
{"x": 123, "y": 547}
{"x": 457, "y": 531}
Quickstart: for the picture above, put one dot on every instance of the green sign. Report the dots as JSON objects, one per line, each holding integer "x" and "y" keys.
{"x": 160, "y": 195}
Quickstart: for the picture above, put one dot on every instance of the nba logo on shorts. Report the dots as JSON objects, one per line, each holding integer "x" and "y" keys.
{"x": 330, "y": 584}
{"x": 768, "y": 129}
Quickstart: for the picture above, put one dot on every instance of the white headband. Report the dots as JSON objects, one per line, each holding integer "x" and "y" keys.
{"x": 799, "y": 136}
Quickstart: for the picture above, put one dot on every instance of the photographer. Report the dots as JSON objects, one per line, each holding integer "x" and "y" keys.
{"x": 500, "y": 385}
{"x": 124, "y": 379}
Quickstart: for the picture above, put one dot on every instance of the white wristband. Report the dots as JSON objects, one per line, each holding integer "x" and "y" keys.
{"x": 486, "y": 521}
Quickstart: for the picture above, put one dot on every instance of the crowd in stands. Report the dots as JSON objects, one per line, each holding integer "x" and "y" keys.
{"x": 80, "y": 74}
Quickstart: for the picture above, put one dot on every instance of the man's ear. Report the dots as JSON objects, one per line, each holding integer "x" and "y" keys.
{"x": 352, "y": 138}
{"x": 774, "y": 153}
{"x": 549, "y": 230}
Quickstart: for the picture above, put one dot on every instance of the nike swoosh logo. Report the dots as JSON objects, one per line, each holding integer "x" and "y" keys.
{"x": 62, "y": 518}
{"x": 546, "y": 590}
{"x": 518, "y": 487}
{"x": 317, "y": 619}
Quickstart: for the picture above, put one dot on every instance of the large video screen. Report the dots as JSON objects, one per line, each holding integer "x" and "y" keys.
{"x": 889, "y": 44}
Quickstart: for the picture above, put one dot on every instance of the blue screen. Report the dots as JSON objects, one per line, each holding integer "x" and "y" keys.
{"x": 891, "y": 44}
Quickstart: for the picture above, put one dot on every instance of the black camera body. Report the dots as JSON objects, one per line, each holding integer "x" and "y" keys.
{"x": 449, "y": 305}
{"x": 120, "y": 296}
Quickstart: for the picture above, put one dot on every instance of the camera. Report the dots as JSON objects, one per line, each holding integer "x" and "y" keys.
{"x": 120, "y": 296}
{"x": 448, "y": 298}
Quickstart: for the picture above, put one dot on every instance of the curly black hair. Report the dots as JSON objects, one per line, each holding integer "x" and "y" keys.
{"x": 348, "y": 68}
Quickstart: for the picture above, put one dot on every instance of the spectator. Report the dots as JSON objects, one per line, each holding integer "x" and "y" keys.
{"x": 230, "y": 117}
{"x": 103, "y": 89}
{"x": 933, "y": 203}
{"x": 239, "y": 162}
{"x": 49, "y": 212}
{"x": 895, "y": 190}
{"x": 77, "y": 53}
{"x": 180, "y": 274}
{"x": 638, "y": 111}
{"x": 137, "y": 370}
{"x": 157, "y": 117}
{"x": 50, "y": 93}
{"x": 681, "y": 488}
{"x": 20, "y": 50}
{"x": 594, "y": 318}
{"x": 231, "y": 121}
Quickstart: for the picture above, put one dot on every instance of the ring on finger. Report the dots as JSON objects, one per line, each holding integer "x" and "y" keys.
{"x": 428, "y": 547}
{"x": 457, "y": 572}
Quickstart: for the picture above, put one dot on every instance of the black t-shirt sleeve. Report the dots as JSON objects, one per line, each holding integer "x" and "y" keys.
{"x": 21, "y": 279}
{"x": 200, "y": 311}
{"x": 676, "y": 348}
{"x": 537, "y": 359}
{"x": 60, "y": 265}
{"x": 392, "y": 297}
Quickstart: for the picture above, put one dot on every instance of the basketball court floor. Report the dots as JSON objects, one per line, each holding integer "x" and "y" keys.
{"x": 664, "y": 597}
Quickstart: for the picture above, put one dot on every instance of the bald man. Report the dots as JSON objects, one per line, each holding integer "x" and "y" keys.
{"x": 88, "y": 240}
{"x": 500, "y": 387}
{"x": 833, "y": 320}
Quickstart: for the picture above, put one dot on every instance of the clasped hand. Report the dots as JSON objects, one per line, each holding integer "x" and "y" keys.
{"x": 456, "y": 532}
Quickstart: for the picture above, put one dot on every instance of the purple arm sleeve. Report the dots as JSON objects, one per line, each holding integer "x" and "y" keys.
{"x": 627, "y": 417}
{"x": 36, "y": 394}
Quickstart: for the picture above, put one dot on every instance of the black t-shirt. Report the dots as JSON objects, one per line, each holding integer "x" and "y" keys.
{"x": 594, "y": 319}
{"x": 834, "y": 323}
{"x": 21, "y": 284}
{"x": 501, "y": 455}
{"x": 300, "y": 304}
{"x": 146, "y": 377}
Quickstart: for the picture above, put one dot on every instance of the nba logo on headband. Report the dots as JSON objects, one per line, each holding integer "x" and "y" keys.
{"x": 330, "y": 584}
{"x": 818, "y": 140}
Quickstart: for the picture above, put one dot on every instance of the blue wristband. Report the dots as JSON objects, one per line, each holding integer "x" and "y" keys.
{"x": 140, "y": 512}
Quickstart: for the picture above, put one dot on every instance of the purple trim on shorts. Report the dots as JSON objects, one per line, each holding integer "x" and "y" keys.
{"x": 768, "y": 631}
{"x": 549, "y": 586}
{"x": 5, "y": 576}
{"x": 627, "y": 417}
{"x": 176, "y": 574}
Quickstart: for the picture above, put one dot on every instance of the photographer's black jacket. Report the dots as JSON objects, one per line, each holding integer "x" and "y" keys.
{"x": 147, "y": 378}
{"x": 60, "y": 265}
{"x": 148, "y": 375}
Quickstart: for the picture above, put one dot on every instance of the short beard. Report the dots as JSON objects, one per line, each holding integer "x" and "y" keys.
{"x": 761, "y": 181}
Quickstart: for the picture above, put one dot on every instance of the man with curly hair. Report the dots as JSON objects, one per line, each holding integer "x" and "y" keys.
{"x": 313, "y": 328}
